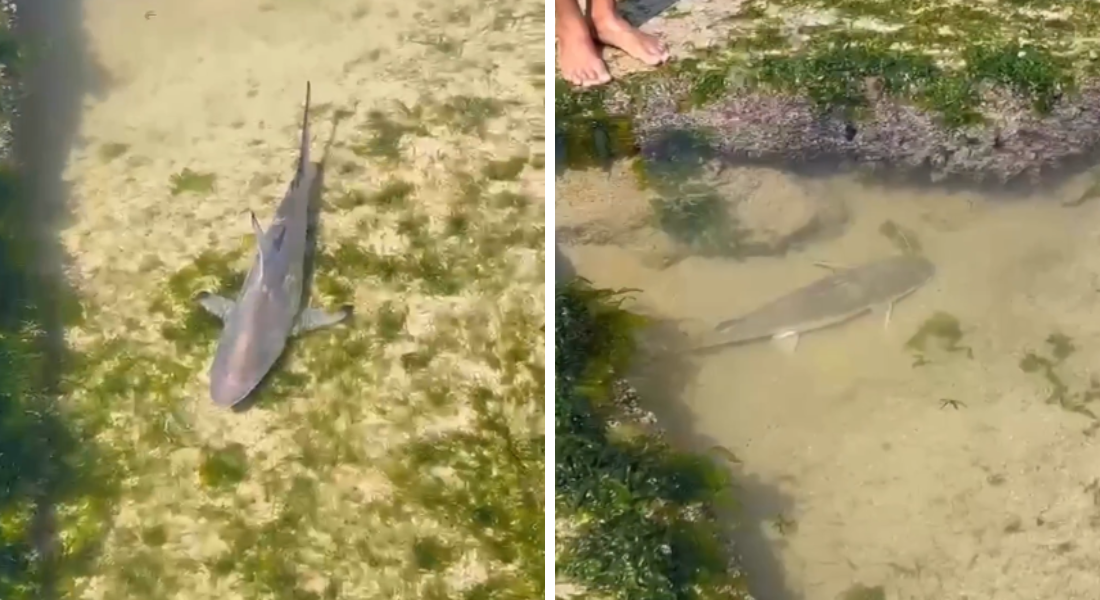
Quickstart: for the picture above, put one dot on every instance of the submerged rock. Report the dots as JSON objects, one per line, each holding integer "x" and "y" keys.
{"x": 734, "y": 212}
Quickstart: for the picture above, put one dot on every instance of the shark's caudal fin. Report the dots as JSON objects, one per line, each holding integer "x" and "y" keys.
{"x": 303, "y": 150}
{"x": 215, "y": 305}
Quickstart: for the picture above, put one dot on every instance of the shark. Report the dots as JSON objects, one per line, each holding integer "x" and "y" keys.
{"x": 269, "y": 307}
{"x": 844, "y": 295}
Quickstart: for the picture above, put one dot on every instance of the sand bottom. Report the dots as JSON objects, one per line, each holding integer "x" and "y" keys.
{"x": 964, "y": 476}
{"x": 429, "y": 118}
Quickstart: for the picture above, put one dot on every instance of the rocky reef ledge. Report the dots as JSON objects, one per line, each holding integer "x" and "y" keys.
{"x": 994, "y": 91}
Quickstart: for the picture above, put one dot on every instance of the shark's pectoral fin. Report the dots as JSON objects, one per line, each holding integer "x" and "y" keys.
{"x": 215, "y": 305}
{"x": 257, "y": 229}
{"x": 786, "y": 341}
{"x": 886, "y": 310}
{"x": 315, "y": 318}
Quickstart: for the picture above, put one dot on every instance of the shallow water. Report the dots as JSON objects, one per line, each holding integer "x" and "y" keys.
{"x": 963, "y": 470}
{"x": 430, "y": 226}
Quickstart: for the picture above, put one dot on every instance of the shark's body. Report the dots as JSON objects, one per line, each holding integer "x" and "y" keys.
{"x": 269, "y": 307}
{"x": 839, "y": 297}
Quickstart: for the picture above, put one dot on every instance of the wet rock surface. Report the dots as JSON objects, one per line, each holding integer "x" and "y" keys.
{"x": 846, "y": 84}
{"x": 1014, "y": 143}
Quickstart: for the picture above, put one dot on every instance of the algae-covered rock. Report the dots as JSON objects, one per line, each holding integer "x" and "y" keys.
{"x": 988, "y": 91}
{"x": 620, "y": 486}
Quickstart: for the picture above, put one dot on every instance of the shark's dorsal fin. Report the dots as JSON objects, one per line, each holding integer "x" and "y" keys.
{"x": 258, "y": 231}
{"x": 277, "y": 243}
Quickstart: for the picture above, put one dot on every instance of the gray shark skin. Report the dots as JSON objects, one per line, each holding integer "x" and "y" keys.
{"x": 268, "y": 309}
{"x": 844, "y": 295}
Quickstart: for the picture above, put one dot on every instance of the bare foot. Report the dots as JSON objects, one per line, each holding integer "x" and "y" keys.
{"x": 613, "y": 30}
{"x": 579, "y": 59}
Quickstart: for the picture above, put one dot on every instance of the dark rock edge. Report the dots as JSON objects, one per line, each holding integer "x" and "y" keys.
{"x": 1015, "y": 144}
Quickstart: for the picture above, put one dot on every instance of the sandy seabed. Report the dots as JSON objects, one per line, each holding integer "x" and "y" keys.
{"x": 853, "y": 468}
{"x": 217, "y": 88}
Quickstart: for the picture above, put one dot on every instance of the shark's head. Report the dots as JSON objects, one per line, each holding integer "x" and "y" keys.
{"x": 229, "y": 389}
{"x": 242, "y": 361}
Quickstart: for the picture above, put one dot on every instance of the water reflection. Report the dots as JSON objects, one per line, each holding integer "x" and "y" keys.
{"x": 933, "y": 453}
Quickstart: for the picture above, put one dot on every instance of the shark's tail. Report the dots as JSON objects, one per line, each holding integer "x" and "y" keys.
{"x": 303, "y": 155}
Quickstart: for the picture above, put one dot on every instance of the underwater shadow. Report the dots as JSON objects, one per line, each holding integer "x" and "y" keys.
{"x": 44, "y": 460}
{"x": 662, "y": 376}
{"x": 662, "y": 145}
{"x": 563, "y": 268}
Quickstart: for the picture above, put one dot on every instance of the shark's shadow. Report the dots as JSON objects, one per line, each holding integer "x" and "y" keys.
{"x": 262, "y": 395}
{"x": 662, "y": 375}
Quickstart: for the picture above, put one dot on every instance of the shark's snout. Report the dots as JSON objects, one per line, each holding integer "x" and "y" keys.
{"x": 227, "y": 390}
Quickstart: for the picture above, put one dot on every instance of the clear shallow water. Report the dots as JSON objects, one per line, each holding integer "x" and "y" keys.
{"x": 945, "y": 464}
{"x": 431, "y": 227}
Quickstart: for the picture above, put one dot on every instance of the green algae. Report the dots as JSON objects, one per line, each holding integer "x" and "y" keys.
{"x": 222, "y": 467}
{"x": 388, "y": 132}
{"x": 187, "y": 325}
{"x": 188, "y": 181}
{"x": 499, "y": 522}
{"x": 835, "y": 71}
{"x": 619, "y": 495}
{"x": 432, "y": 554}
{"x": 504, "y": 514}
{"x": 692, "y": 212}
{"x": 265, "y": 556}
{"x": 843, "y": 63}
{"x": 393, "y": 194}
{"x": 863, "y": 592}
{"x": 701, "y": 222}
{"x": 597, "y": 141}
{"x": 468, "y": 114}
{"x": 51, "y": 466}
{"x": 939, "y": 332}
{"x": 333, "y": 290}
{"x": 112, "y": 150}
{"x": 441, "y": 257}
{"x": 1061, "y": 347}
{"x": 504, "y": 170}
